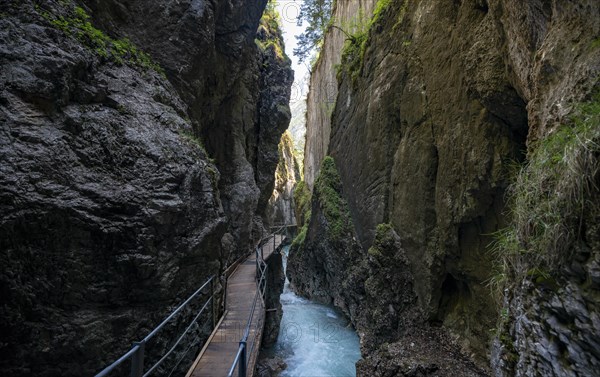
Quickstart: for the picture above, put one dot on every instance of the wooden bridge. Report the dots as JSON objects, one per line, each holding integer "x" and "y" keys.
{"x": 244, "y": 317}
{"x": 233, "y": 346}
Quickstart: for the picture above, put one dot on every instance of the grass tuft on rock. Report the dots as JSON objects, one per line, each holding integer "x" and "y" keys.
{"x": 384, "y": 239}
{"x": 547, "y": 202}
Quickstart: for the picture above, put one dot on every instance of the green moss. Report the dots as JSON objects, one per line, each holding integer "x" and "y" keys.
{"x": 299, "y": 240}
{"x": 383, "y": 243}
{"x": 401, "y": 14}
{"x": 375, "y": 252}
{"x": 122, "y": 109}
{"x": 213, "y": 175}
{"x": 552, "y": 192}
{"x": 120, "y": 51}
{"x": 328, "y": 187}
{"x": 596, "y": 43}
{"x": 353, "y": 52}
{"x": 381, "y": 7}
{"x": 353, "y": 55}
{"x": 269, "y": 27}
{"x": 302, "y": 201}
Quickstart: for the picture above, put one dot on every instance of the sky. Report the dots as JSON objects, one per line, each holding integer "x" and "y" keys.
{"x": 289, "y": 11}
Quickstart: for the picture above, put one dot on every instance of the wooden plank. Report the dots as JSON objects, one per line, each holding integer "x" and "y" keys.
{"x": 206, "y": 345}
{"x": 218, "y": 354}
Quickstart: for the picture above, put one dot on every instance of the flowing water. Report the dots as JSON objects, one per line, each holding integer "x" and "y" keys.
{"x": 315, "y": 340}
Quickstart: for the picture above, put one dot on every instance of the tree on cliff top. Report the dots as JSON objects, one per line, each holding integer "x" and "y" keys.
{"x": 316, "y": 13}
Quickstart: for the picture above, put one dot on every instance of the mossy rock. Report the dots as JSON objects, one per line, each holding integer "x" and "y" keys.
{"x": 328, "y": 189}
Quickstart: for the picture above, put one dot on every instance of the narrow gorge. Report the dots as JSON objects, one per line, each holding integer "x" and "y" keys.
{"x": 443, "y": 216}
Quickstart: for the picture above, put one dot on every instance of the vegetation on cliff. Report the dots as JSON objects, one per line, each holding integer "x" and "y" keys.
{"x": 383, "y": 240}
{"x": 302, "y": 200}
{"x": 549, "y": 198}
{"x": 327, "y": 194}
{"x": 269, "y": 32}
{"x": 353, "y": 53}
{"x": 328, "y": 188}
{"x": 76, "y": 23}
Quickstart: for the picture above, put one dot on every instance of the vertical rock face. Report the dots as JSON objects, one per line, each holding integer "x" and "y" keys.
{"x": 424, "y": 128}
{"x": 325, "y": 244}
{"x": 237, "y": 93}
{"x": 349, "y": 15}
{"x": 430, "y": 109}
{"x": 281, "y": 203}
{"x": 375, "y": 289}
{"x": 275, "y": 283}
{"x": 112, "y": 210}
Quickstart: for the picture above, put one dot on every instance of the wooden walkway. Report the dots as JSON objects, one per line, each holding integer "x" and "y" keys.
{"x": 218, "y": 354}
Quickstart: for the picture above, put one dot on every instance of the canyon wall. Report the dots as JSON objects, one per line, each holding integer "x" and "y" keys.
{"x": 128, "y": 177}
{"x": 281, "y": 204}
{"x": 436, "y": 102}
{"x": 348, "y": 15}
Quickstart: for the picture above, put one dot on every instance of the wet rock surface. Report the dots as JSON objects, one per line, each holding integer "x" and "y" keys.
{"x": 112, "y": 210}
{"x": 237, "y": 94}
{"x": 281, "y": 206}
{"x": 445, "y": 94}
{"x": 270, "y": 367}
{"x": 552, "y": 325}
{"x": 275, "y": 283}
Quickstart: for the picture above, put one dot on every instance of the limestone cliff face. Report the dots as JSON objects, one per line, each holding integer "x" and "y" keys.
{"x": 429, "y": 111}
{"x": 349, "y": 15}
{"x": 281, "y": 203}
{"x": 237, "y": 93}
{"x": 112, "y": 210}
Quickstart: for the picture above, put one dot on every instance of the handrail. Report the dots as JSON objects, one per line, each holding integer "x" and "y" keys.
{"x": 241, "y": 360}
{"x": 178, "y": 340}
{"x": 136, "y": 353}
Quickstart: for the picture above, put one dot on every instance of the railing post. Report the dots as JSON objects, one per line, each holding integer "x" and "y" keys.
{"x": 225, "y": 294}
{"x": 242, "y": 362}
{"x": 213, "y": 288}
{"x": 137, "y": 361}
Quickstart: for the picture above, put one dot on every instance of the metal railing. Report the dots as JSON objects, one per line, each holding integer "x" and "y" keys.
{"x": 241, "y": 360}
{"x": 137, "y": 352}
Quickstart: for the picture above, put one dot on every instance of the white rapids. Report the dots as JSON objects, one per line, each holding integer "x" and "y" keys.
{"x": 315, "y": 340}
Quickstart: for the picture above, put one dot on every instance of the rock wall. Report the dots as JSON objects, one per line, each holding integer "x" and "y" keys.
{"x": 237, "y": 100}
{"x": 112, "y": 210}
{"x": 430, "y": 111}
{"x": 281, "y": 204}
{"x": 375, "y": 290}
{"x": 349, "y": 15}
{"x": 425, "y": 130}
{"x": 275, "y": 283}
{"x": 325, "y": 243}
